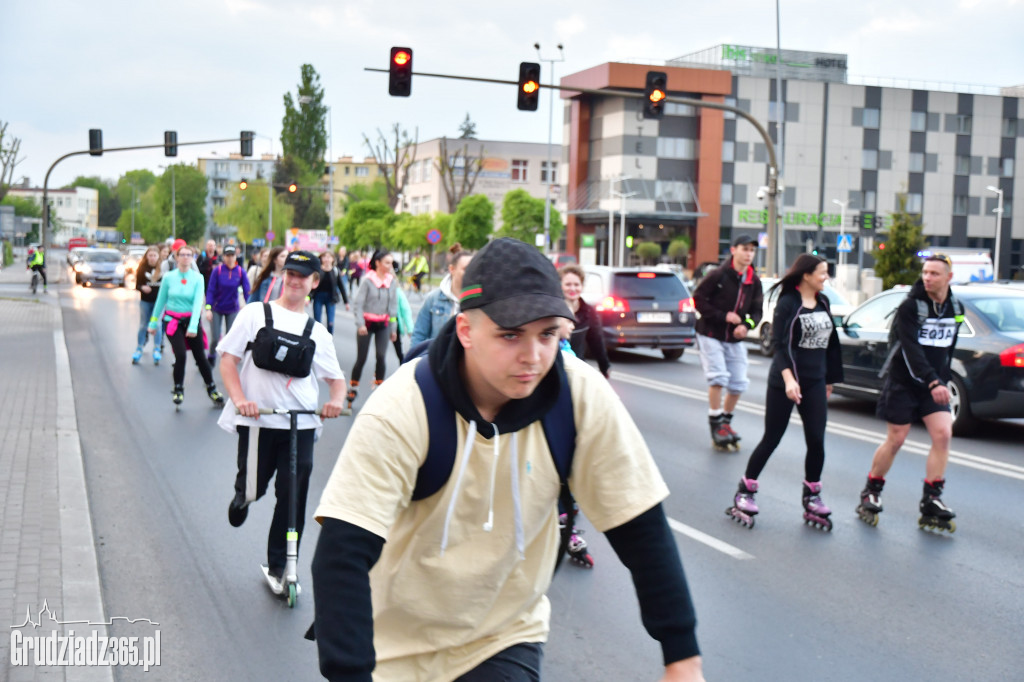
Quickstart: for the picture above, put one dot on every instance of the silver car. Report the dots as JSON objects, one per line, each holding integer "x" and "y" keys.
{"x": 100, "y": 266}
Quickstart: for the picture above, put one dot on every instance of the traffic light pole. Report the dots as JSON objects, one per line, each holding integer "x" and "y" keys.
{"x": 773, "y": 261}
{"x": 45, "y": 236}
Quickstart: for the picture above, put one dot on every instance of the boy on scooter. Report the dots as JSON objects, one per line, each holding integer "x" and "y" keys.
{"x": 263, "y": 442}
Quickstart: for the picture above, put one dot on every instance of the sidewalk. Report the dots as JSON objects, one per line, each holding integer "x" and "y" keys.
{"x": 47, "y": 552}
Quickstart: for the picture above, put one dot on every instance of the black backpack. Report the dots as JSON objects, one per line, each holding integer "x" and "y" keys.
{"x": 281, "y": 352}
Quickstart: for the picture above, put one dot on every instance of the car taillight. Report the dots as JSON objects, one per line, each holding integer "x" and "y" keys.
{"x": 1012, "y": 356}
{"x": 686, "y": 305}
{"x": 646, "y": 275}
{"x": 613, "y": 305}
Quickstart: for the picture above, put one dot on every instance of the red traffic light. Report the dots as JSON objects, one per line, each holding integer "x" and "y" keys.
{"x": 881, "y": 246}
{"x": 400, "y": 72}
{"x": 293, "y": 188}
{"x": 402, "y": 58}
{"x": 243, "y": 185}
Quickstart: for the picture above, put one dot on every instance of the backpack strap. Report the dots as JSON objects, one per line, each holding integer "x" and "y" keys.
{"x": 268, "y": 322}
{"x": 308, "y": 330}
{"x": 443, "y": 438}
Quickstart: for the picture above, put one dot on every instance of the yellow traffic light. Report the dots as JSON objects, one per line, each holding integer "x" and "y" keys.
{"x": 243, "y": 185}
{"x": 293, "y": 188}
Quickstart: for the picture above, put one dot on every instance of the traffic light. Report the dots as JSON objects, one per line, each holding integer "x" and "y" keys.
{"x": 95, "y": 142}
{"x": 293, "y": 188}
{"x": 243, "y": 185}
{"x": 654, "y": 94}
{"x": 881, "y": 246}
{"x": 170, "y": 143}
{"x": 246, "y": 139}
{"x": 400, "y": 80}
{"x": 529, "y": 86}
{"x": 815, "y": 250}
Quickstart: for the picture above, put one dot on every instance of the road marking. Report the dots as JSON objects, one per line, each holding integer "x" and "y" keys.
{"x": 712, "y": 542}
{"x": 955, "y": 457}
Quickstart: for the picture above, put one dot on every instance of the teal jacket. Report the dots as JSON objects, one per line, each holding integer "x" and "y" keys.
{"x": 404, "y": 314}
{"x": 180, "y": 293}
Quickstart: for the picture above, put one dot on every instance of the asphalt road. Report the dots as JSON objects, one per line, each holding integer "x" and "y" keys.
{"x": 780, "y": 602}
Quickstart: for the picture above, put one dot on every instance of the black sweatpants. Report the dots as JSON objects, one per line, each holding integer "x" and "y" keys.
{"x": 180, "y": 345}
{"x": 378, "y": 331}
{"x": 813, "y": 409}
{"x": 256, "y": 466}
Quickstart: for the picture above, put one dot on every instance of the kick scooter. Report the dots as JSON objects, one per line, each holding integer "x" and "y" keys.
{"x": 290, "y": 580}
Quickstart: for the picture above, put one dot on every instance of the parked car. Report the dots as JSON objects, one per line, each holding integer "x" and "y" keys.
{"x": 762, "y": 333}
{"x": 560, "y": 259}
{"x": 99, "y": 266}
{"x": 988, "y": 362}
{"x": 642, "y": 308}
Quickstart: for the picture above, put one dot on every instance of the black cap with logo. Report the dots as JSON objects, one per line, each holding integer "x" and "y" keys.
{"x": 302, "y": 262}
{"x": 744, "y": 239}
{"x": 514, "y": 284}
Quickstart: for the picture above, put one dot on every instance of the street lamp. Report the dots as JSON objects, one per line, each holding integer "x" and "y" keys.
{"x": 174, "y": 223}
{"x": 551, "y": 115}
{"x": 999, "y": 227}
{"x": 306, "y": 99}
{"x": 842, "y": 227}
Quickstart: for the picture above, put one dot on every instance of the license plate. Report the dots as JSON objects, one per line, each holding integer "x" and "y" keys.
{"x": 654, "y": 318}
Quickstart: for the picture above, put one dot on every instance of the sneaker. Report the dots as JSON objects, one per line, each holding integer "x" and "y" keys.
{"x": 238, "y": 510}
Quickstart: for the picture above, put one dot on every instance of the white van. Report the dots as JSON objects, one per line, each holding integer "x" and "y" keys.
{"x": 969, "y": 265}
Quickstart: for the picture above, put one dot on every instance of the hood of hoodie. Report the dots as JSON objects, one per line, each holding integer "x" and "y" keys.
{"x": 446, "y": 357}
{"x": 446, "y": 290}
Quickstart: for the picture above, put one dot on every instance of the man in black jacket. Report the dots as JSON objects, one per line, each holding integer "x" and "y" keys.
{"x": 458, "y": 588}
{"x": 916, "y": 374}
{"x": 729, "y": 301}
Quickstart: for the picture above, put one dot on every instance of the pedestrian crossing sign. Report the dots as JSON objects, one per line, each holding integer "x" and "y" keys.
{"x": 844, "y": 243}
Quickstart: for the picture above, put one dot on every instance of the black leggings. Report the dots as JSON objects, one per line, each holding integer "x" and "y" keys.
{"x": 378, "y": 331}
{"x": 813, "y": 409}
{"x": 180, "y": 345}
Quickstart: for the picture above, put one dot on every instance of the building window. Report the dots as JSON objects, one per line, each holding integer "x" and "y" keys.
{"x": 219, "y": 184}
{"x": 519, "y": 170}
{"x": 869, "y": 159}
{"x": 726, "y": 194}
{"x": 919, "y": 121}
{"x": 914, "y": 203}
{"x": 916, "y": 162}
{"x": 545, "y": 177}
{"x": 963, "y": 124}
{"x": 773, "y": 113}
{"x": 676, "y": 148}
{"x": 676, "y": 109}
{"x": 729, "y": 101}
{"x": 1009, "y": 127}
{"x": 963, "y": 165}
{"x": 427, "y": 166}
{"x": 961, "y": 203}
{"x": 728, "y": 151}
{"x": 362, "y": 172}
{"x": 1006, "y": 168}
{"x": 348, "y": 170}
{"x": 245, "y": 168}
{"x": 871, "y": 117}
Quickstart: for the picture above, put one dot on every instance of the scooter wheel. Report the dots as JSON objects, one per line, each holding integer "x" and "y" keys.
{"x": 292, "y": 596}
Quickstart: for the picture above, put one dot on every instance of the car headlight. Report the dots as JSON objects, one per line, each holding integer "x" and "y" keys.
{"x": 85, "y": 269}
{"x": 119, "y": 269}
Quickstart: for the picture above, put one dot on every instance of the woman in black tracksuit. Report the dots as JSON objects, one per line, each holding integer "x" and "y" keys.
{"x": 806, "y": 364}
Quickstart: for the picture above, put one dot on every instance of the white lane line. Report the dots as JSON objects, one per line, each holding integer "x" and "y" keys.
{"x": 712, "y": 542}
{"x": 955, "y": 457}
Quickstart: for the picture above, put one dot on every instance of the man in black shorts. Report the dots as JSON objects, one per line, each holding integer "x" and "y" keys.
{"x": 916, "y": 373}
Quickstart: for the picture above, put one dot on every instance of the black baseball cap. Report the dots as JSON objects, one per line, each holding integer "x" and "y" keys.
{"x": 744, "y": 239}
{"x": 229, "y": 250}
{"x": 514, "y": 284}
{"x": 302, "y": 262}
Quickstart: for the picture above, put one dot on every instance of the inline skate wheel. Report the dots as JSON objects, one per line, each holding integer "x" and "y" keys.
{"x": 867, "y": 517}
{"x": 819, "y": 522}
{"x": 292, "y": 595}
{"x": 740, "y": 517}
{"x": 930, "y": 523}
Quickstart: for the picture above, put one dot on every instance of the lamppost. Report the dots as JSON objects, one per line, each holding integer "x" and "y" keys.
{"x": 999, "y": 228}
{"x": 551, "y": 118}
{"x": 174, "y": 223}
{"x": 842, "y": 229}
{"x": 622, "y": 222}
{"x": 306, "y": 99}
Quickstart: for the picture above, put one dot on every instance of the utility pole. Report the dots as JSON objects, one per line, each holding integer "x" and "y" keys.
{"x": 551, "y": 118}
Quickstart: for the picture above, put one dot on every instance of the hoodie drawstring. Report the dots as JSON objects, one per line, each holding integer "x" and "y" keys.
{"x": 488, "y": 525}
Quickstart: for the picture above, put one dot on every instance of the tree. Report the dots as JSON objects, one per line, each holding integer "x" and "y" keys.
{"x": 679, "y": 249}
{"x": 23, "y": 206}
{"x": 898, "y": 263}
{"x": 9, "y": 147}
{"x": 146, "y": 219}
{"x": 190, "y": 189}
{"x": 522, "y": 217}
{"x": 109, "y": 208}
{"x": 310, "y": 210}
{"x": 467, "y": 129}
{"x": 458, "y": 172}
{"x": 393, "y": 160}
{"x": 410, "y": 232}
{"x": 649, "y": 253}
{"x": 353, "y": 230}
{"x": 247, "y": 211}
{"x": 474, "y": 221}
{"x": 303, "y": 130}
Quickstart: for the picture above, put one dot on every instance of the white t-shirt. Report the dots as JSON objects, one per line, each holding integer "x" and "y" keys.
{"x": 273, "y": 389}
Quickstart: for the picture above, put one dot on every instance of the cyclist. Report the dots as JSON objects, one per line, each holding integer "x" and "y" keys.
{"x": 416, "y": 269}
{"x": 37, "y": 263}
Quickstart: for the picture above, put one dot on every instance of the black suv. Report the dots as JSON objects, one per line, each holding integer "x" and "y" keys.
{"x": 642, "y": 308}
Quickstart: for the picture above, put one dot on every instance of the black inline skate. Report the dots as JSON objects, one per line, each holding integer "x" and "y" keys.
{"x": 816, "y": 512}
{"x": 721, "y": 435}
{"x": 577, "y": 549}
{"x": 216, "y": 396}
{"x": 352, "y": 392}
{"x": 178, "y": 396}
{"x": 871, "y": 501}
{"x": 935, "y": 515}
{"x": 727, "y": 416}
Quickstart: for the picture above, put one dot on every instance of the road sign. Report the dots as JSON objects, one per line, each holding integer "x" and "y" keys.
{"x": 762, "y": 240}
{"x": 259, "y": 242}
{"x": 270, "y": 236}
{"x": 434, "y": 236}
{"x": 844, "y": 243}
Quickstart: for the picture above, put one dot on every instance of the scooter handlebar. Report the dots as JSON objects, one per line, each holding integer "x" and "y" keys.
{"x": 346, "y": 412}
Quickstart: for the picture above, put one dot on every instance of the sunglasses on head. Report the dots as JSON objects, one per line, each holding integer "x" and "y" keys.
{"x": 941, "y": 258}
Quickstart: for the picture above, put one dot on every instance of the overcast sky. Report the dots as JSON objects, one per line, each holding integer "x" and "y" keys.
{"x": 212, "y": 68}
